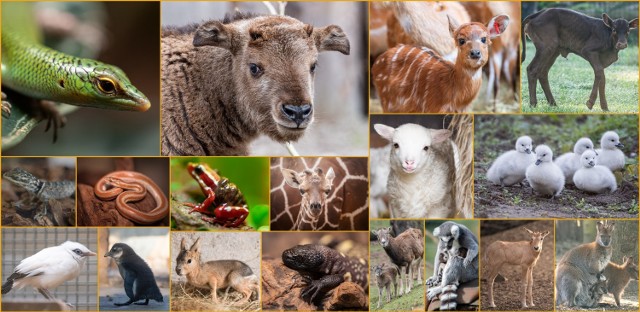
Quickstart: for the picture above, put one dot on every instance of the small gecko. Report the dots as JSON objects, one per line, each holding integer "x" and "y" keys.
{"x": 43, "y": 190}
{"x": 324, "y": 268}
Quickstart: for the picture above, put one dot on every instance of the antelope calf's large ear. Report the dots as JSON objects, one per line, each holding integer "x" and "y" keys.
{"x": 213, "y": 33}
{"x": 453, "y": 25}
{"x": 497, "y": 25}
{"x": 331, "y": 38}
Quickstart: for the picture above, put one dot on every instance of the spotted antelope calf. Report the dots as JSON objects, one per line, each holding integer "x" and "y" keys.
{"x": 417, "y": 79}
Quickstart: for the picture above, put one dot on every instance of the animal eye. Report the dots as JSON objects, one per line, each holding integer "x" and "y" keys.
{"x": 613, "y": 140}
{"x": 77, "y": 251}
{"x": 426, "y": 148}
{"x": 483, "y": 39}
{"x": 255, "y": 70}
{"x": 461, "y": 41}
{"x": 313, "y": 67}
{"x": 106, "y": 85}
{"x": 396, "y": 145}
{"x": 189, "y": 261}
{"x": 544, "y": 155}
{"x": 327, "y": 192}
{"x": 302, "y": 192}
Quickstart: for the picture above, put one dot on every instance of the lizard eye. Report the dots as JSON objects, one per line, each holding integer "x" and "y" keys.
{"x": 106, "y": 85}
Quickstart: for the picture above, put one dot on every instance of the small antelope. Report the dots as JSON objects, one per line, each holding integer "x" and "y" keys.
{"x": 314, "y": 187}
{"x": 417, "y": 79}
{"x": 619, "y": 275}
{"x": 524, "y": 254}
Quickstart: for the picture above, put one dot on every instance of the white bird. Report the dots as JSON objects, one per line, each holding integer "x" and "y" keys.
{"x": 569, "y": 163}
{"x": 510, "y": 167}
{"x": 609, "y": 155}
{"x": 544, "y": 176}
{"x": 49, "y": 268}
{"x": 594, "y": 178}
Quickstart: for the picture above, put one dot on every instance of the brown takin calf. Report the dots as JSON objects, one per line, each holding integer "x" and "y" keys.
{"x": 619, "y": 275}
{"x": 217, "y": 274}
{"x": 226, "y": 82}
{"x": 417, "y": 79}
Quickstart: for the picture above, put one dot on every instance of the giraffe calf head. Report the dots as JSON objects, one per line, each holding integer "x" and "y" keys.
{"x": 314, "y": 186}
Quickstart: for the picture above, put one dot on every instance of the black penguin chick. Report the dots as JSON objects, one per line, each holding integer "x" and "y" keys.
{"x": 139, "y": 282}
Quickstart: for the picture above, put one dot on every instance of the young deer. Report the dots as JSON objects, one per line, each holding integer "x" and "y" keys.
{"x": 524, "y": 254}
{"x": 619, "y": 275}
{"x": 314, "y": 187}
{"x": 417, "y": 79}
{"x": 385, "y": 276}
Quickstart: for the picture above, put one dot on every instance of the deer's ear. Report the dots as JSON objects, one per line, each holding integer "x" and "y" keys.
{"x": 529, "y": 231}
{"x": 291, "y": 177}
{"x": 545, "y": 234}
{"x": 633, "y": 23}
{"x": 497, "y": 25}
{"x": 331, "y": 38}
{"x": 453, "y": 26}
{"x": 385, "y": 131}
{"x": 607, "y": 20}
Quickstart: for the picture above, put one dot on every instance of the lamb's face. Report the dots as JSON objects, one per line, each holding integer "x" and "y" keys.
{"x": 524, "y": 144}
{"x": 543, "y": 154}
{"x": 582, "y": 145}
{"x": 588, "y": 159}
{"x": 610, "y": 140}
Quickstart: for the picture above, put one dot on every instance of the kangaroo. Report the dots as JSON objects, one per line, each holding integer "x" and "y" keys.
{"x": 581, "y": 267}
{"x": 215, "y": 274}
{"x": 619, "y": 275}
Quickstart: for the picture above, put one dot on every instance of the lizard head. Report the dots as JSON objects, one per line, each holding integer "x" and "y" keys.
{"x": 306, "y": 258}
{"x": 23, "y": 179}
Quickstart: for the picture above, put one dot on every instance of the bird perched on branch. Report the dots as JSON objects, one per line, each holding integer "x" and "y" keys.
{"x": 49, "y": 268}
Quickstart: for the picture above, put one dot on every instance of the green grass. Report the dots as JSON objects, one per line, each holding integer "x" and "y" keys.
{"x": 407, "y": 302}
{"x": 571, "y": 80}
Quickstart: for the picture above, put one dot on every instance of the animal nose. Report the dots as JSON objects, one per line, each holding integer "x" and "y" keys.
{"x": 621, "y": 45}
{"x": 410, "y": 162}
{"x": 297, "y": 113}
{"x": 475, "y": 54}
{"x": 536, "y": 247}
{"x": 316, "y": 206}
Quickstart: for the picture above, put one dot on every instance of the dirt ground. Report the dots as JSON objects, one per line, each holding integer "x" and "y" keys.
{"x": 492, "y": 201}
{"x": 507, "y": 293}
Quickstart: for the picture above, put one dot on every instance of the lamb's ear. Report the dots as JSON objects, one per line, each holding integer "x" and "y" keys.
{"x": 497, "y": 25}
{"x": 385, "y": 131}
{"x": 607, "y": 20}
{"x": 331, "y": 38}
{"x": 214, "y": 33}
{"x": 196, "y": 246}
{"x": 633, "y": 23}
{"x": 439, "y": 136}
{"x": 291, "y": 177}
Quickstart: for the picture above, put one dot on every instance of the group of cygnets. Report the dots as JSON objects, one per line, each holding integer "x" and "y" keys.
{"x": 588, "y": 169}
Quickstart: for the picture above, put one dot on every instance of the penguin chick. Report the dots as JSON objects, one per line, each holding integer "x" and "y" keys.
{"x": 609, "y": 154}
{"x": 510, "y": 167}
{"x": 544, "y": 176}
{"x": 569, "y": 163}
{"x": 594, "y": 178}
{"x": 139, "y": 282}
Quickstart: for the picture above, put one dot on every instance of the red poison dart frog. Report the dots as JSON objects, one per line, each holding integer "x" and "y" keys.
{"x": 229, "y": 207}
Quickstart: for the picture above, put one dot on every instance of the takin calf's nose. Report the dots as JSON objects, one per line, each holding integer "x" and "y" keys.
{"x": 297, "y": 113}
{"x": 475, "y": 54}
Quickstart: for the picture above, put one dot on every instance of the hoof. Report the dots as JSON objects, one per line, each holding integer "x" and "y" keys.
{"x": 590, "y": 105}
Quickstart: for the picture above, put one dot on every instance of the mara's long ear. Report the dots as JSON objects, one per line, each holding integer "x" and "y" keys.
{"x": 215, "y": 34}
{"x": 607, "y": 20}
{"x": 291, "y": 177}
{"x": 196, "y": 246}
{"x": 439, "y": 136}
{"x": 497, "y": 25}
{"x": 633, "y": 23}
{"x": 183, "y": 244}
{"x": 385, "y": 131}
{"x": 331, "y": 38}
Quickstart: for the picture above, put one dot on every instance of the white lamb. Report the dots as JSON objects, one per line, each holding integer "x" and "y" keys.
{"x": 510, "y": 167}
{"x": 569, "y": 163}
{"x": 609, "y": 155}
{"x": 594, "y": 178}
{"x": 544, "y": 176}
{"x": 423, "y": 169}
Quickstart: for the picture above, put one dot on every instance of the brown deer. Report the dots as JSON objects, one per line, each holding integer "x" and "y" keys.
{"x": 417, "y": 79}
{"x": 524, "y": 254}
{"x": 314, "y": 186}
{"x": 619, "y": 275}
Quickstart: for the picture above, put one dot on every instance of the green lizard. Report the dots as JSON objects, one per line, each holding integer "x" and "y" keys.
{"x": 41, "y": 73}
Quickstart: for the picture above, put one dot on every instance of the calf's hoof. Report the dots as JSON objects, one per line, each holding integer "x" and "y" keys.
{"x": 590, "y": 104}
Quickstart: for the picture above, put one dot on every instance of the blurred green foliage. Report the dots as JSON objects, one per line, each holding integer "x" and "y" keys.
{"x": 250, "y": 174}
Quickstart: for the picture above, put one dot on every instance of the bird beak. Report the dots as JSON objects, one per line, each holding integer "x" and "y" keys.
{"x": 90, "y": 253}
{"x": 528, "y": 151}
{"x": 619, "y": 145}
{"x": 538, "y": 162}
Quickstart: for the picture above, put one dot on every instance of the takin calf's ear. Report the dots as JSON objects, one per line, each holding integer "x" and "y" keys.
{"x": 213, "y": 33}
{"x": 331, "y": 38}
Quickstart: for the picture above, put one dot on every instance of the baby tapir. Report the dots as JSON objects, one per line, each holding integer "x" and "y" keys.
{"x": 139, "y": 282}
{"x": 215, "y": 274}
